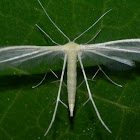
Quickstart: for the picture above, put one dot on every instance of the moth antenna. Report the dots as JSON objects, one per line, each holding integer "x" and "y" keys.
{"x": 58, "y": 96}
{"x": 93, "y": 37}
{"x": 108, "y": 77}
{"x": 91, "y": 25}
{"x": 53, "y": 22}
{"x": 90, "y": 96}
{"x": 47, "y": 35}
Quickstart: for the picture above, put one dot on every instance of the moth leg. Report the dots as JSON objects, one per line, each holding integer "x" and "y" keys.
{"x": 58, "y": 96}
{"x": 40, "y": 81}
{"x": 64, "y": 84}
{"x": 59, "y": 81}
{"x": 44, "y": 78}
{"x": 53, "y": 73}
{"x": 55, "y": 81}
{"x": 93, "y": 37}
{"x": 63, "y": 104}
{"x": 80, "y": 84}
{"x": 86, "y": 101}
{"x": 108, "y": 77}
{"x": 95, "y": 73}
{"x": 83, "y": 82}
{"x": 90, "y": 96}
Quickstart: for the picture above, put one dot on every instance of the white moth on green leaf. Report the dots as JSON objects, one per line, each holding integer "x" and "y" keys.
{"x": 121, "y": 51}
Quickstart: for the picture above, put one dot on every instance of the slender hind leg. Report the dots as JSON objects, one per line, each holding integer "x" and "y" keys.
{"x": 90, "y": 96}
{"x": 108, "y": 77}
{"x": 58, "y": 96}
{"x": 44, "y": 78}
{"x": 100, "y": 69}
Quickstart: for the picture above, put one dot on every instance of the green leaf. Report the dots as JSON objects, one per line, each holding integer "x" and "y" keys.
{"x": 25, "y": 113}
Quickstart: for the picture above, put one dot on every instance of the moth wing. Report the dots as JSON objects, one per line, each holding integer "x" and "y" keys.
{"x": 114, "y": 53}
{"x": 28, "y": 56}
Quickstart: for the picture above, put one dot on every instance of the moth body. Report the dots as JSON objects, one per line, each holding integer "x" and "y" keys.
{"x": 72, "y": 50}
{"x": 120, "y": 51}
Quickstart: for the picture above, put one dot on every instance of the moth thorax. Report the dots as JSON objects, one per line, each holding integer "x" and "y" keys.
{"x": 72, "y": 47}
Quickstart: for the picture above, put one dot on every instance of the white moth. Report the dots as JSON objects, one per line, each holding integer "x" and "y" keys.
{"x": 121, "y": 51}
